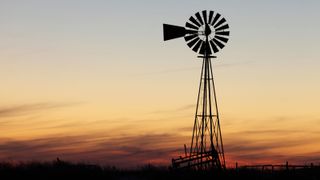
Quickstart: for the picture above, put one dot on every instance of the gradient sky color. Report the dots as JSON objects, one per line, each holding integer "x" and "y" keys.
{"x": 93, "y": 81}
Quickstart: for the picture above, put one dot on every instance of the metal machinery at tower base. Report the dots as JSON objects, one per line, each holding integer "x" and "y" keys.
{"x": 206, "y": 33}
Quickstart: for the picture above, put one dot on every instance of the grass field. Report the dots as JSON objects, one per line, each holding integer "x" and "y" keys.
{"x": 63, "y": 170}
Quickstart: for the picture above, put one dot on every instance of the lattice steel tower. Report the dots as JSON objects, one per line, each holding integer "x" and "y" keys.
{"x": 205, "y": 34}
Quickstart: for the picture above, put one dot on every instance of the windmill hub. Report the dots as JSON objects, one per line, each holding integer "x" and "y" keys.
{"x": 207, "y": 30}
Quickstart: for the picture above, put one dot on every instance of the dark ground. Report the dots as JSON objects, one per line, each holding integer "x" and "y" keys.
{"x": 62, "y": 170}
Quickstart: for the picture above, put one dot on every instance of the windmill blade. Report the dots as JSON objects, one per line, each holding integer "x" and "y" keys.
{"x": 192, "y": 42}
{"x": 204, "y": 14}
{"x": 215, "y": 19}
{"x": 189, "y": 31}
{"x": 199, "y": 18}
{"x": 213, "y": 46}
{"x": 194, "y": 21}
{"x": 223, "y": 39}
{"x": 210, "y": 16}
{"x": 224, "y": 33}
{"x": 220, "y": 22}
{"x": 224, "y": 27}
{"x": 196, "y": 47}
{"x": 188, "y": 38}
{"x": 172, "y": 32}
{"x": 218, "y": 43}
{"x": 191, "y": 26}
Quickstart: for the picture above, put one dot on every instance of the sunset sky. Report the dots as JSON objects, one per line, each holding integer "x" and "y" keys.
{"x": 93, "y": 81}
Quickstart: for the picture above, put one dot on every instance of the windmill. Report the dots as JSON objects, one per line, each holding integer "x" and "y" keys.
{"x": 206, "y": 34}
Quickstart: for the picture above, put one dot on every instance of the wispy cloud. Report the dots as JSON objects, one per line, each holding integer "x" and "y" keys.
{"x": 142, "y": 149}
{"x": 127, "y": 150}
{"x": 224, "y": 65}
{"x": 23, "y": 109}
{"x": 175, "y": 70}
{"x": 166, "y": 71}
{"x": 116, "y": 146}
{"x": 273, "y": 145}
{"x": 124, "y": 151}
{"x": 175, "y": 110}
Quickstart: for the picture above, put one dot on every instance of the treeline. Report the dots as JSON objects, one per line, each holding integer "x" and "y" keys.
{"x": 66, "y": 170}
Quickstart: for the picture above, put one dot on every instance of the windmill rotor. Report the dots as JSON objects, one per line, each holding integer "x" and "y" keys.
{"x": 205, "y": 33}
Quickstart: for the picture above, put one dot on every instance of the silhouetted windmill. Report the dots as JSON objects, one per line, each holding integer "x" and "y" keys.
{"x": 205, "y": 34}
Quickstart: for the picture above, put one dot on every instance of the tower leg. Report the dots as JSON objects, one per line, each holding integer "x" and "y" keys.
{"x": 206, "y": 150}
